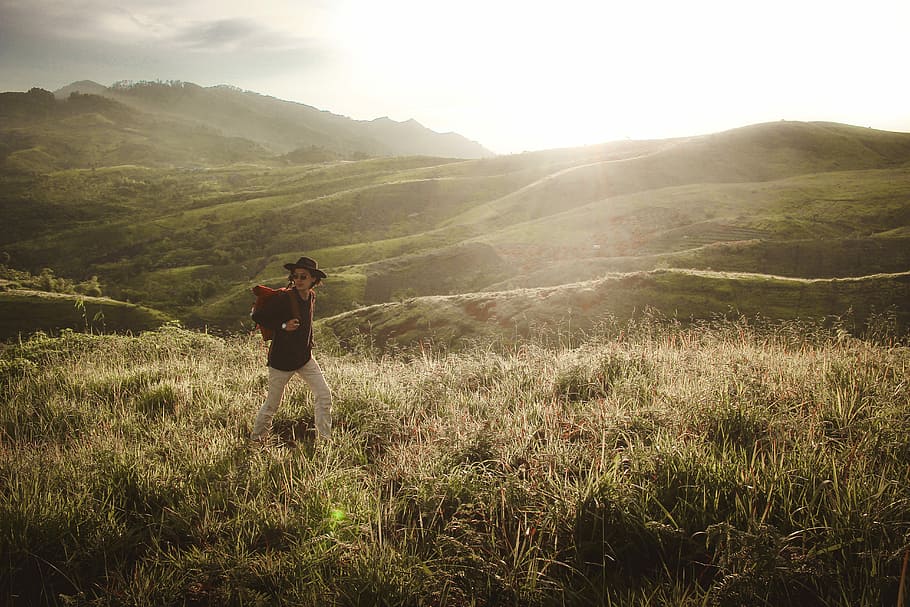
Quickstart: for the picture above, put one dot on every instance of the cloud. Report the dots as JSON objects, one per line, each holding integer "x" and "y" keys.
{"x": 184, "y": 25}
{"x": 58, "y": 21}
{"x": 235, "y": 34}
{"x": 217, "y": 34}
{"x": 49, "y": 43}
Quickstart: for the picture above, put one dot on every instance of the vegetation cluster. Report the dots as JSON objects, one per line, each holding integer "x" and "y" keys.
{"x": 647, "y": 463}
{"x": 46, "y": 281}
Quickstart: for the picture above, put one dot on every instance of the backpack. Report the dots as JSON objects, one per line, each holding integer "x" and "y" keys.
{"x": 263, "y": 294}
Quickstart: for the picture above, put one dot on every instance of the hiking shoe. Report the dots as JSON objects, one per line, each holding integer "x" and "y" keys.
{"x": 262, "y": 440}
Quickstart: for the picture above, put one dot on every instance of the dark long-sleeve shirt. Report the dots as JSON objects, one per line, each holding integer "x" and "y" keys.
{"x": 289, "y": 350}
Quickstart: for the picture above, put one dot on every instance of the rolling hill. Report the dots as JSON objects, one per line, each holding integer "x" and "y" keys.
{"x": 554, "y": 313}
{"x": 820, "y": 209}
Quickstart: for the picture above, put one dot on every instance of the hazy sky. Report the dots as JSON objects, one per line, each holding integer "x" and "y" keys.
{"x": 511, "y": 74}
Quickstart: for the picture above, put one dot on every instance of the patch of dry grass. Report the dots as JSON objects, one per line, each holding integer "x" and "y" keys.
{"x": 650, "y": 463}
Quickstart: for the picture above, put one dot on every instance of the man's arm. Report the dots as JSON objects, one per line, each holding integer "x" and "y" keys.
{"x": 274, "y": 312}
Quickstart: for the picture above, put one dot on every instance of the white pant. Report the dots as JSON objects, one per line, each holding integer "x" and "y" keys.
{"x": 278, "y": 380}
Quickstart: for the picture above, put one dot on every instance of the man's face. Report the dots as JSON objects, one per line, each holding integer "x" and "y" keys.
{"x": 303, "y": 280}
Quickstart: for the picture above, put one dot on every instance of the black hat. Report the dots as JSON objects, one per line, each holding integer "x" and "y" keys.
{"x": 307, "y": 264}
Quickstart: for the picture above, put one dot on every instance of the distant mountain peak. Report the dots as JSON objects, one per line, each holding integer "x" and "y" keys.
{"x": 86, "y": 87}
{"x": 389, "y": 121}
{"x": 87, "y": 83}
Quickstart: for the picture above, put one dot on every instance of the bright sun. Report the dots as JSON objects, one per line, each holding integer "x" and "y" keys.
{"x": 550, "y": 74}
{"x": 573, "y": 72}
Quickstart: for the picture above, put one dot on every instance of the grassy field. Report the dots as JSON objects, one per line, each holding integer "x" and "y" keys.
{"x": 646, "y": 463}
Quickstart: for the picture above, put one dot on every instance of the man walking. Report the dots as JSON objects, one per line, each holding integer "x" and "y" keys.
{"x": 290, "y": 315}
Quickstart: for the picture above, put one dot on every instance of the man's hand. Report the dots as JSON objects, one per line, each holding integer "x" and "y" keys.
{"x": 291, "y": 325}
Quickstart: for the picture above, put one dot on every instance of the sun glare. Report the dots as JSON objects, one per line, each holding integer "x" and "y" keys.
{"x": 510, "y": 66}
{"x": 518, "y": 75}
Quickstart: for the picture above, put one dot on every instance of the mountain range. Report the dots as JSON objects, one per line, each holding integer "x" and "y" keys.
{"x": 141, "y": 188}
{"x": 94, "y": 125}
{"x": 282, "y": 126}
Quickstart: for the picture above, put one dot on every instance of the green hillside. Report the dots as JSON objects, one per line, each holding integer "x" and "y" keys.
{"x": 683, "y": 295}
{"x": 831, "y": 258}
{"x": 42, "y": 135}
{"x": 25, "y": 311}
{"x": 676, "y": 225}
{"x": 803, "y": 200}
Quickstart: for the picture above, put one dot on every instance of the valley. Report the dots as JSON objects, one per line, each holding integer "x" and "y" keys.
{"x": 799, "y": 200}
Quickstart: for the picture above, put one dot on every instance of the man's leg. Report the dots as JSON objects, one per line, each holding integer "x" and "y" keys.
{"x": 277, "y": 382}
{"x": 322, "y": 406}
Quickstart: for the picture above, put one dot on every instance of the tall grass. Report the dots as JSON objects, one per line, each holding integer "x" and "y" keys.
{"x": 724, "y": 464}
